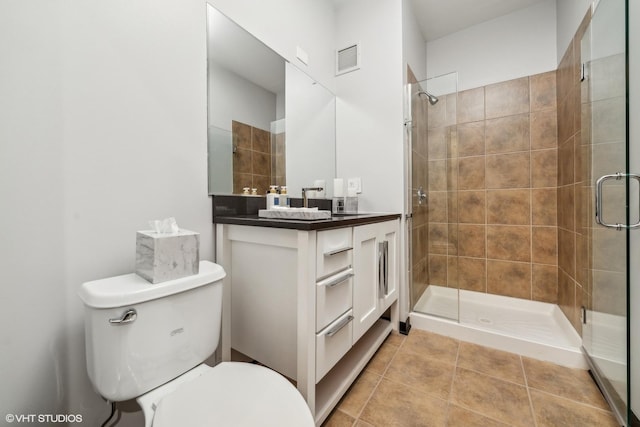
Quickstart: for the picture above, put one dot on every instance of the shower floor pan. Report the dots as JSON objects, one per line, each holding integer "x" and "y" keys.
{"x": 530, "y": 328}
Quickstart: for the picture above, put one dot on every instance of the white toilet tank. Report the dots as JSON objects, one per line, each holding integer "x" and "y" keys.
{"x": 176, "y": 327}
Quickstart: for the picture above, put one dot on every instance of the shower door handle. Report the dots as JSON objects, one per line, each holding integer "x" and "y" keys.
{"x": 599, "y": 214}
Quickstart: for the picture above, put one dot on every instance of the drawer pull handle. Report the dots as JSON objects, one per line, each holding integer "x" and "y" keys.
{"x": 344, "y": 322}
{"x": 338, "y": 251}
{"x": 339, "y": 279}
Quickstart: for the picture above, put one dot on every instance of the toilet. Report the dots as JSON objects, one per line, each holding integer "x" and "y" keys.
{"x": 149, "y": 342}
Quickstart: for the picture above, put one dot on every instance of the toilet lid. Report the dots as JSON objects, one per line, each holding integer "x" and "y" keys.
{"x": 234, "y": 394}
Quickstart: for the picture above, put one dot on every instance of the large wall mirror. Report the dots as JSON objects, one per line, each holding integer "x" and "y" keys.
{"x": 269, "y": 123}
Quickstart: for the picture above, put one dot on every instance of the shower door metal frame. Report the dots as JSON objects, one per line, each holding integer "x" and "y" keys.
{"x": 621, "y": 405}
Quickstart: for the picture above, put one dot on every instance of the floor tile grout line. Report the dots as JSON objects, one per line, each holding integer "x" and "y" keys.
{"x": 526, "y": 384}
{"x": 453, "y": 380}
{"x": 557, "y": 396}
{"x": 357, "y": 418}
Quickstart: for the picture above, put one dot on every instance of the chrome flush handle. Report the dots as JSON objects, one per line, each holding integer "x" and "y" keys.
{"x": 128, "y": 316}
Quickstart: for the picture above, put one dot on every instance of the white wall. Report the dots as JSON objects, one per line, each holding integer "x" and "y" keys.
{"x": 570, "y": 14}
{"x": 235, "y": 98}
{"x": 103, "y": 126}
{"x": 310, "y": 133}
{"x": 413, "y": 44}
{"x": 369, "y": 104}
{"x": 512, "y": 46}
{"x": 33, "y": 294}
{"x": 283, "y": 25}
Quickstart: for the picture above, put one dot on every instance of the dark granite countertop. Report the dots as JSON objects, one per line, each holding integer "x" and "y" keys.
{"x": 321, "y": 224}
{"x": 243, "y": 210}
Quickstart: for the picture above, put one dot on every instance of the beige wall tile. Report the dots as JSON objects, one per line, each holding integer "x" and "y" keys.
{"x": 242, "y": 161}
{"x": 566, "y": 207}
{"x": 261, "y": 140}
{"x": 509, "y": 242}
{"x": 471, "y": 173}
{"x": 471, "y": 105}
{"x": 544, "y": 129}
{"x": 472, "y": 274}
{"x": 241, "y": 134}
{"x": 261, "y": 164}
{"x": 507, "y": 134}
{"x": 437, "y": 206}
{"x": 437, "y": 172}
{"x": 438, "y": 270}
{"x": 544, "y": 168}
{"x": 508, "y": 171}
{"x": 471, "y": 240}
{"x": 544, "y": 206}
{"x": 262, "y": 183}
{"x": 566, "y": 117}
{"x": 509, "y": 207}
{"x": 511, "y": 279}
{"x": 566, "y": 294}
{"x": 544, "y": 283}
{"x": 471, "y": 139}
{"x": 567, "y": 251}
{"x": 544, "y": 245}
{"x": 472, "y": 207}
{"x": 437, "y": 147}
{"x": 566, "y": 163}
{"x": 438, "y": 238}
{"x": 543, "y": 91}
{"x": 507, "y": 98}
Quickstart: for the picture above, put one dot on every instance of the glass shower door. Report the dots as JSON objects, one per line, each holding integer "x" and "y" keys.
{"x": 605, "y": 187}
{"x": 433, "y": 196}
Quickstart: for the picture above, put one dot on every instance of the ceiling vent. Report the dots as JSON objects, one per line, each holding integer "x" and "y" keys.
{"x": 348, "y": 59}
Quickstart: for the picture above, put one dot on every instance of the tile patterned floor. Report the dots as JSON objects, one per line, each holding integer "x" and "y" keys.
{"x": 431, "y": 380}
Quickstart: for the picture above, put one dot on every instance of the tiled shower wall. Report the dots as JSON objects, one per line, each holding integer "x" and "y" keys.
{"x": 591, "y": 132}
{"x": 419, "y": 172}
{"x": 251, "y": 158}
{"x": 492, "y": 173}
{"x": 573, "y": 186}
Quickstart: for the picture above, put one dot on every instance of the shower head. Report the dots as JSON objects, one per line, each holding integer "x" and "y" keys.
{"x": 432, "y": 98}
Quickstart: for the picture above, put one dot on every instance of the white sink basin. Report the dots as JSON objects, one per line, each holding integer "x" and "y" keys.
{"x": 308, "y": 214}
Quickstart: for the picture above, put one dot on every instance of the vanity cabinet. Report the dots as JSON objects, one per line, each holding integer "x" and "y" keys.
{"x": 313, "y": 305}
{"x": 376, "y": 284}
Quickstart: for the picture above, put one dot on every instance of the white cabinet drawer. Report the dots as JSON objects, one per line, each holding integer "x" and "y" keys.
{"x": 333, "y": 297}
{"x": 333, "y": 343}
{"x": 334, "y": 251}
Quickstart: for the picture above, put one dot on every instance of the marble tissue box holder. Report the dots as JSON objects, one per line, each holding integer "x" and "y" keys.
{"x": 167, "y": 256}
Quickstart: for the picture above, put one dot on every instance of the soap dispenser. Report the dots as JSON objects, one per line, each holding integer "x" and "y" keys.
{"x": 284, "y": 197}
{"x": 272, "y": 197}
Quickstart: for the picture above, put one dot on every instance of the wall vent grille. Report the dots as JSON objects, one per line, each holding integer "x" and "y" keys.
{"x": 348, "y": 59}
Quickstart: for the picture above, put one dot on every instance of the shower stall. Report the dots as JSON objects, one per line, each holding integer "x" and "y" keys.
{"x": 521, "y": 204}
{"x": 464, "y": 279}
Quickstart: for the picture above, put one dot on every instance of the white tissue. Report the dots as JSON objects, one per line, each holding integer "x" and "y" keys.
{"x": 164, "y": 226}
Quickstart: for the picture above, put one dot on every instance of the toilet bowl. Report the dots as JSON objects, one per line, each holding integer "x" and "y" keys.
{"x": 149, "y": 341}
{"x": 230, "y": 394}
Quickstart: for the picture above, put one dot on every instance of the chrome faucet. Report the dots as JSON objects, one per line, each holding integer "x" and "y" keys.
{"x": 304, "y": 194}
